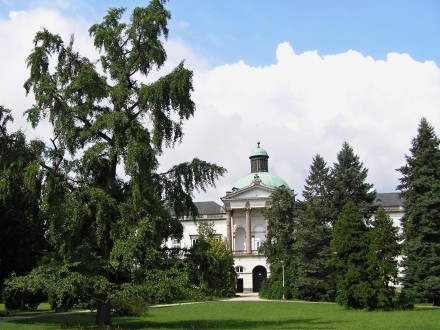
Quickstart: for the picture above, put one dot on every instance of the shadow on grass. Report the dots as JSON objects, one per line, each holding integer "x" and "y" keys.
{"x": 85, "y": 321}
{"x": 76, "y": 320}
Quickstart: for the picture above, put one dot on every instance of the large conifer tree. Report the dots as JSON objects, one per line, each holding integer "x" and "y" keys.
{"x": 420, "y": 187}
{"x": 350, "y": 250}
{"x": 314, "y": 233}
{"x": 279, "y": 245}
{"x": 383, "y": 250}
{"x": 348, "y": 182}
{"x": 107, "y": 206}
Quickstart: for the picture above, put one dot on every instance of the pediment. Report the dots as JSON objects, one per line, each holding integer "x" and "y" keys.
{"x": 259, "y": 191}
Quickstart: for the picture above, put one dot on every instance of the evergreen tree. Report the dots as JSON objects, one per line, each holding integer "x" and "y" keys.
{"x": 22, "y": 229}
{"x": 279, "y": 245}
{"x": 212, "y": 263}
{"x": 350, "y": 257}
{"x": 314, "y": 233}
{"x": 384, "y": 248}
{"x": 349, "y": 183}
{"x": 108, "y": 228}
{"x": 420, "y": 187}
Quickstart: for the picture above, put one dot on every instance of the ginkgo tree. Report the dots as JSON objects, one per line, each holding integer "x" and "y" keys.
{"x": 107, "y": 206}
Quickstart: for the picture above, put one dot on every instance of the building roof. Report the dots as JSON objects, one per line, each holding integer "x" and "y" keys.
{"x": 266, "y": 178}
{"x": 389, "y": 199}
{"x": 259, "y": 152}
{"x": 209, "y": 207}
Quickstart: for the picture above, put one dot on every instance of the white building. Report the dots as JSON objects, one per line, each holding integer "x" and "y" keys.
{"x": 241, "y": 222}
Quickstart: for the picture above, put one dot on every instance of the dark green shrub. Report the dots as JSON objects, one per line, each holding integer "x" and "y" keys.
{"x": 404, "y": 300}
{"x": 18, "y": 294}
{"x": 166, "y": 286}
{"x": 130, "y": 300}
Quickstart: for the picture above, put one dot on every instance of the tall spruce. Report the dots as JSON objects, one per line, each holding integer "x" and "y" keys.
{"x": 107, "y": 206}
{"x": 314, "y": 233}
{"x": 420, "y": 188}
{"x": 350, "y": 257}
{"x": 279, "y": 245}
{"x": 383, "y": 250}
{"x": 348, "y": 182}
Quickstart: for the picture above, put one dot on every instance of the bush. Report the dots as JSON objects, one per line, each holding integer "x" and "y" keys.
{"x": 19, "y": 294}
{"x": 130, "y": 300}
{"x": 166, "y": 286}
{"x": 272, "y": 289}
{"x": 404, "y": 300}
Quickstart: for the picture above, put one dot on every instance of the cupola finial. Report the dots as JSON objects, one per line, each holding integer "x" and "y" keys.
{"x": 258, "y": 144}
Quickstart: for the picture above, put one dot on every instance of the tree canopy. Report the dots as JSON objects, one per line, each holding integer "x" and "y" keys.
{"x": 22, "y": 228}
{"x": 350, "y": 249}
{"x": 279, "y": 244}
{"x": 107, "y": 206}
{"x": 420, "y": 187}
{"x": 212, "y": 263}
{"x": 348, "y": 182}
{"x": 314, "y": 233}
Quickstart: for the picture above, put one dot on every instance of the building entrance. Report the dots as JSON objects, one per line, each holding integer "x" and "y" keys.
{"x": 259, "y": 276}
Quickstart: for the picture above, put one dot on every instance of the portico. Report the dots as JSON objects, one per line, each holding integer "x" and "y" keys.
{"x": 246, "y": 226}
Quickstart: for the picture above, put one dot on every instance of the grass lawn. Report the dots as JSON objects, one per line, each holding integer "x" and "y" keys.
{"x": 248, "y": 315}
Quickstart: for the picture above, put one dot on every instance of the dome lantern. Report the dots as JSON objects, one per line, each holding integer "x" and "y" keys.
{"x": 260, "y": 172}
{"x": 259, "y": 160}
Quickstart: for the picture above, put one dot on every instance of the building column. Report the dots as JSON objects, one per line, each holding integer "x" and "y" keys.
{"x": 248, "y": 231}
{"x": 228, "y": 228}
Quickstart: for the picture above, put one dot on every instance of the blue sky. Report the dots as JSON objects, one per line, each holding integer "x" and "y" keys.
{"x": 301, "y": 76}
{"x": 233, "y": 29}
{"x": 225, "y": 31}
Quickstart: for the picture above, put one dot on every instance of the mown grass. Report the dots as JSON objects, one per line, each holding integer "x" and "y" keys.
{"x": 248, "y": 315}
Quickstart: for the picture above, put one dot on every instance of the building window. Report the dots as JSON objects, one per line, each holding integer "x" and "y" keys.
{"x": 194, "y": 240}
{"x": 176, "y": 244}
{"x": 239, "y": 269}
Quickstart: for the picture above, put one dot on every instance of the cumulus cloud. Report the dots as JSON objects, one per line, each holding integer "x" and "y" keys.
{"x": 301, "y": 105}
{"x": 309, "y": 103}
{"x": 17, "y": 32}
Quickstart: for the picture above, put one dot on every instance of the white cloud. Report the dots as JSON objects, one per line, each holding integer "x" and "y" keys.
{"x": 310, "y": 103}
{"x": 16, "y": 41}
{"x": 302, "y": 105}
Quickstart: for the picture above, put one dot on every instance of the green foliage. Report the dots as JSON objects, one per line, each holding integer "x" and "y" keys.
{"x": 211, "y": 263}
{"x": 108, "y": 121}
{"x": 350, "y": 249}
{"x": 172, "y": 285}
{"x": 366, "y": 260}
{"x": 22, "y": 228}
{"x": 279, "y": 245}
{"x": 21, "y": 294}
{"x": 384, "y": 248}
{"x": 130, "y": 299}
{"x": 314, "y": 233}
{"x": 60, "y": 284}
{"x": 420, "y": 187}
{"x": 348, "y": 183}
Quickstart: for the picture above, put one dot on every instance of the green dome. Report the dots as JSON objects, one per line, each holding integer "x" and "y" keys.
{"x": 258, "y": 152}
{"x": 266, "y": 178}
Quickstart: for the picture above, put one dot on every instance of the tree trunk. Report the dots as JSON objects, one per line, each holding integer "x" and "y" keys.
{"x": 103, "y": 313}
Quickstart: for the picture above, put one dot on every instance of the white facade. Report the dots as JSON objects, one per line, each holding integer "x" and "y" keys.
{"x": 241, "y": 221}
{"x": 246, "y": 229}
